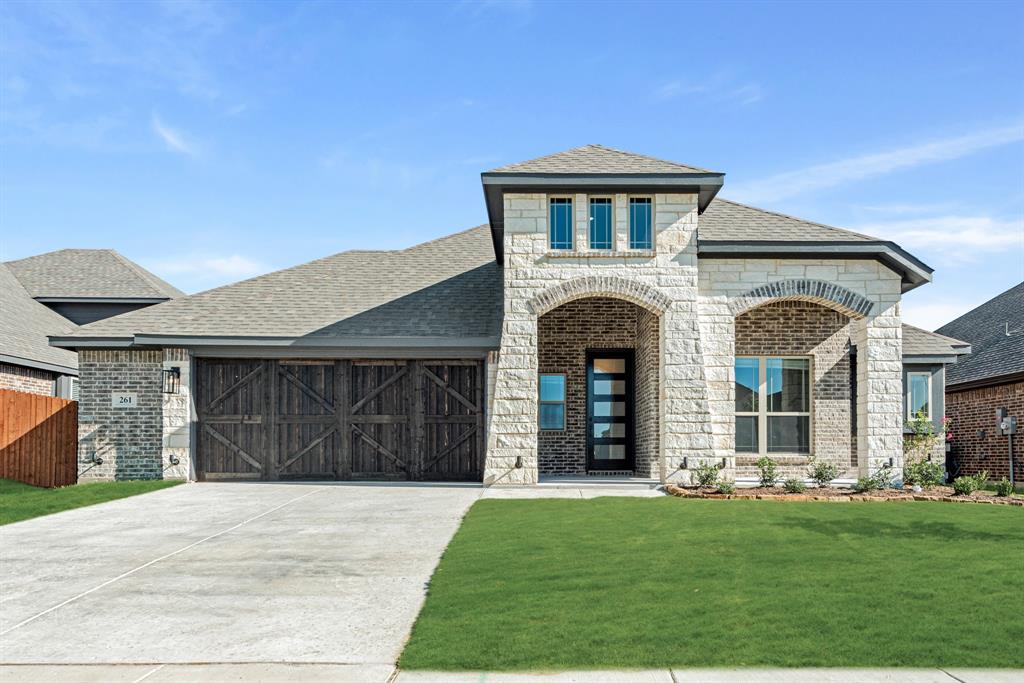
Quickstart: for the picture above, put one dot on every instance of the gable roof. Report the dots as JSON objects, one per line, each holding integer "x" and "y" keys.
{"x": 88, "y": 274}
{"x": 597, "y": 159}
{"x": 445, "y": 291}
{"x": 995, "y": 356}
{"x": 24, "y": 326}
{"x": 923, "y": 344}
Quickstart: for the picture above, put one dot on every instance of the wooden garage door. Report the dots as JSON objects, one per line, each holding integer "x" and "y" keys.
{"x": 266, "y": 419}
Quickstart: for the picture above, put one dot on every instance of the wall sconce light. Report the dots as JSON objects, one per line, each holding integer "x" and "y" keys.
{"x": 172, "y": 380}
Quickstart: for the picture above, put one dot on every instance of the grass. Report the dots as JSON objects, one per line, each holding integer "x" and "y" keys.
{"x": 634, "y": 583}
{"x": 20, "y": 501}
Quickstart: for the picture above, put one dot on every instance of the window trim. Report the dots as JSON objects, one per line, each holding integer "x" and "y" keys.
{"x": 590, "y": 227}
{"x": 572, "y": 221}
{"x": 629, "y": 221}
{"x": 563, "y": 402}
{"x": 910, "y": 392}
{"x": 762, "y": 413}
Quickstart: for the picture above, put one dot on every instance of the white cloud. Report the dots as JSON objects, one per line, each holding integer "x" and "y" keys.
{"x": 934, "y": 315}
{"x": 821, "y": 176}
{"x": 175, "y": 139}
{"x": 235, "y": 265}
{"x": 951, "y": 238}
{"x": 719, "y": 88}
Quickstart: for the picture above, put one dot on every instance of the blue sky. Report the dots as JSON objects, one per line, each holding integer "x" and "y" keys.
{"x": 215, "y": 142}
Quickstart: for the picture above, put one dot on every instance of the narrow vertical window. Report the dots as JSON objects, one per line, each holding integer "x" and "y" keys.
{"x": 919, "y": 392}
{"x": 601, "y": 223}
{"x": 560, "y": 223}
{"x": 552, "y": 402}
{"x": 748, "y": 383}
{"x": 640, "y": 219}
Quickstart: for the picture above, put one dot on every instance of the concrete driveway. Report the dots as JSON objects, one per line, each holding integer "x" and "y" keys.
{"x": 225, "y": 573}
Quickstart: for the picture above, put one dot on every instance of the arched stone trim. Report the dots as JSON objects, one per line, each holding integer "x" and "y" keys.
{"x": 827, "y": 294}
{"x": 600, "y": 285}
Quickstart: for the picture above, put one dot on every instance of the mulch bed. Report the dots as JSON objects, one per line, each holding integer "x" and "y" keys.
{"x": 936, "y": 493}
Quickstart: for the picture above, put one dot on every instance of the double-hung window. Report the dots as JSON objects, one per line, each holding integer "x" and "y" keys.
{"x": 641, "y": 217}
{"x": 602, "y": 233}
{"x": 560, "y": 223}
{"x": 773, "y": 405}
{"x": 919, "y": 392}
{"x": 552, "y": 401}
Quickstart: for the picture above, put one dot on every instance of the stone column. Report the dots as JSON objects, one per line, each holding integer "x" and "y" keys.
{"x": 879, "y": 391}
{"x": 177, "y": 419}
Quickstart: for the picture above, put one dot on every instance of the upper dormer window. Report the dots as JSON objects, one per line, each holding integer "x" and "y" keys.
{"x": 601, "y": 223}
{"x": 641, "y": 235}
{"x": 560, "y": 223}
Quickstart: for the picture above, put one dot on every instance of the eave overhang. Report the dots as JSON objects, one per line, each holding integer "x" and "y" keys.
{"x": 496, "y": 184}
{"x": 912, "y": 271}
{"x": 100, "y": 300}
{"x": 38, "y": 365}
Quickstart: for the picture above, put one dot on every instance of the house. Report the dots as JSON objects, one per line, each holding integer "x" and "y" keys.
{"x": 613, "y": 317}
{"x": 992, "y": 377}
{"x": 52, "y": 294}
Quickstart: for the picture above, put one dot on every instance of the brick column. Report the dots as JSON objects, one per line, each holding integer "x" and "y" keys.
{"x": 879, "y": 390}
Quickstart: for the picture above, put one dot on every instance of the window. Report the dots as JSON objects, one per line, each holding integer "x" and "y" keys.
{"x": 601, "y": 234}
{"x": 552, "y": 401}
{"x": 560, "y": 223}
{"x": 640, "y": 215}
{"x": 773, "y": 405}
{"x": 919, "y": 392}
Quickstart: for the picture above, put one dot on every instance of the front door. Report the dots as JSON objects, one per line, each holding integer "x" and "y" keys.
{"x": 610, "y": 410}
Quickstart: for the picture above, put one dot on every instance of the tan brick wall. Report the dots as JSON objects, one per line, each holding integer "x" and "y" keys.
{"x": 796, "y": 328}
{"x": 28, "y": 380}
{"x": 974, "y": 411}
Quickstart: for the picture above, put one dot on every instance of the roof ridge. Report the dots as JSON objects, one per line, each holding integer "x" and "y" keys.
{"x": 983, "y": 305}
{"x": 793, "y": 218}
{"x": 443, "y": 237}
{"x": 651, "y": 158}
{"x": 161, "y": 286}
{"x": 937, "y": 334}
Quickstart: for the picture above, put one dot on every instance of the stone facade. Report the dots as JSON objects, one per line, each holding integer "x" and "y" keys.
{"x": 564, "y": 336}
{"x": 976, "y": 445}
{"x": 177, "y": 418}
{"x": 28, "y": 380}
{"x": 798, "y": 328}
{"x": 138, "y": 440}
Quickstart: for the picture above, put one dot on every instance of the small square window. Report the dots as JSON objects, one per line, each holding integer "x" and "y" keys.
{"x": 640, "y": 223}
{"x": 552, "y": 402}
{"x": 560, "y": 223}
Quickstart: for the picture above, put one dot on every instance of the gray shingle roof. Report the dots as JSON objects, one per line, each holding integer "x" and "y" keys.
{"x": 89, "y": 273}
{"x": 450, "y": 287}
{"x": 918, "y": 342}
{"x": 597, "y": 159}
{"x": 25, "y": 323}
{"x": 993, "y": 353}
{"x": 727, "y": 220}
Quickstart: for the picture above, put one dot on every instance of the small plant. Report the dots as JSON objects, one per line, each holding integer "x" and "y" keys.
{"x": 706, "y": 475}
{"x": 794, "y": 486}
{"x": 882, "y": 479}
{"x": 766, "y": 466}
{"x": 924, "y": 473}
{"x": 965, "y": 486}
{"x": 1004, "y": 488}
{"x": 823, "y": 473}
{"x": 865, "y": 484}
{"x": 727, "y": 487}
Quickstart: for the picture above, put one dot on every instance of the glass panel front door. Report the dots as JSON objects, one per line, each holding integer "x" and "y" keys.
{"x": 610, "y": 410}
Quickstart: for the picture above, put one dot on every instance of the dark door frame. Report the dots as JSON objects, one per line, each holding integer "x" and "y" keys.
{"x": 628, "y": 419}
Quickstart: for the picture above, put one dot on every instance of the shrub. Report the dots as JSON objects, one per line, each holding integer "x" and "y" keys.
{"x": 924, "y": 473}
{"x": 706, "y": 474}
{"x": 965, "y": 486}
{"x": 865, "y": 484}
{"x": 725, "y": 486}
{"x": 766, "y": 466}
{"x": 823, "y": 473}
{"x": 794, "y": 486}
{"x": 882, "y": 479}
{"x": 1004, "y": 487}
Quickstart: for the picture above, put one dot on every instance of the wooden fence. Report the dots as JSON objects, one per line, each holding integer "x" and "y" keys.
{"x": 38, "y": 439}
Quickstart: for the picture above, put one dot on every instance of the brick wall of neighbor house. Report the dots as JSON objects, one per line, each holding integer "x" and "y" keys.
{"x": 129, "y": 440}
{"x": 564, "y": 336}
{"x": 797, "y": 328}
{"x": 971, "y": 412}
{"x": 29, "y": 380}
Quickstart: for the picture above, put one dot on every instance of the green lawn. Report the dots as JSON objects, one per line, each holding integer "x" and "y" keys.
{"x": 633, "y": 582}
{"x": 20, "y": 501}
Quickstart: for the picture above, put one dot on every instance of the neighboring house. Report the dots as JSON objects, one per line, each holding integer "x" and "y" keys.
{"x": 613, "y": 318}
{"x": 53, "y": 293}
{"x": 992, "y": 377}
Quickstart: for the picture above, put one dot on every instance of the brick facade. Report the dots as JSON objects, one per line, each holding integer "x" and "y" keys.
{"x": 28, "y": 380}
{"x": 797, "y": 328}
{"x": 564, "y": 336}
{"x": 974, "y": 411}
